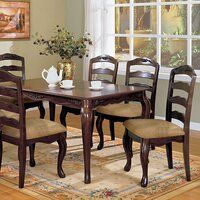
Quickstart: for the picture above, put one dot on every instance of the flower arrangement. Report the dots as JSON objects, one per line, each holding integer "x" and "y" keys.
{"x": 64, "y": 44}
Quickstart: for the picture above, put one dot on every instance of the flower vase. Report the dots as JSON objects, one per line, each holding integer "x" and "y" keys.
{"x": 68, "y": 67}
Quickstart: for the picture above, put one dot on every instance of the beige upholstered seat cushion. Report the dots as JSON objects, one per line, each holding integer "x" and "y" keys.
{"x": 35, "y": 128}
{"x": 9, "y": 114}
{"x": 153, "y": 128}
{"x": 122, "y": 110}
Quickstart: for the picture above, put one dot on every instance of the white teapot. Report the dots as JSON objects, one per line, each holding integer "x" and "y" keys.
{"x": 52, "y": 77}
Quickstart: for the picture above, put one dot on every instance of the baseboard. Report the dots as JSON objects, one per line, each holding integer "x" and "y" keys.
{"x": 193, "y": 125}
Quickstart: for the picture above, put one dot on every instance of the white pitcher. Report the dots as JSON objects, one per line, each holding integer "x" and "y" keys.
{"x": 52, "y": 77}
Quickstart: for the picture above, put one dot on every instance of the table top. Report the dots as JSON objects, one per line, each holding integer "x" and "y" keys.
{"x": 80, "y": 91}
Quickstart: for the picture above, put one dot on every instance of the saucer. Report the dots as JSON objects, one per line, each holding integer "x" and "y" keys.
{"x": 96, "y": 88}
{"x": 67, "y": 87}
{"x": 52, "y": 85}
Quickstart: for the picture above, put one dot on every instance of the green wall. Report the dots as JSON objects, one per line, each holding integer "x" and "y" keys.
{"x": 44, "y": 16}
{"x": 75, "y": 24}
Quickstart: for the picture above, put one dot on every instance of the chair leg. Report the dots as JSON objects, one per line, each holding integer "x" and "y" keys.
{"x": 169, "y": 155}
{"x": 52, "y": 108}
{"x": 144, "y": 154}
{"x": 61, "y": 155}
{"x": 22, "y": 165}
{"x": 63, "y": 115}
{"x": 32, "y": 152}
{"x": 91, "y": 143}
{"x": 153, "y": 147}
{"x": 112, "y": 129}
{"x": 1, "y": 150}
{"x": 186, "y": 158}
{"x": 99, "y": 123}
{"x": 32, "y": 147}
{"x": 127, "y": 144}
{"x": 42, "y": 110}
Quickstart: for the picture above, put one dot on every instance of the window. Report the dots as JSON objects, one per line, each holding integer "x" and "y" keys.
{"x": 166, "y": 30}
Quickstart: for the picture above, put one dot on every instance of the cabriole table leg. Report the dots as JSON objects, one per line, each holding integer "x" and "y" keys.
{"x": 87, "y": 120}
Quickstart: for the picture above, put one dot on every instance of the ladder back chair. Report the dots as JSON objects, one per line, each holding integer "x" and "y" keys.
{"x": 17, "y": 130}
{"x": 105, "y": 70}
{"x": 163, "y": 132}
{"x": 20, "y": 67}
{"x": 123, "y": 111}
{"x": 28, "y": 103}
{"x": 112, "y": 74}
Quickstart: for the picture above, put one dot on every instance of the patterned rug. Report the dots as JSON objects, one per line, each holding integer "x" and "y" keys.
{"x": 109, "y": 181}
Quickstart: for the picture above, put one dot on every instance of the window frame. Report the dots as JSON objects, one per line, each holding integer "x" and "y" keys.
{"x": 164, "y": 71}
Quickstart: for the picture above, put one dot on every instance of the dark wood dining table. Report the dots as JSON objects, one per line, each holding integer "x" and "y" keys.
{"x": 87, "y": 100}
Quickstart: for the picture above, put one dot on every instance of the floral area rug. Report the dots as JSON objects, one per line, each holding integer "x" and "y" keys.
{"x": 109, "y": 181}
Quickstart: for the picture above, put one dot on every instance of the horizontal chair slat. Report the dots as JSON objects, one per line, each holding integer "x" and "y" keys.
{"x": 11, "y": 68}
{"x": 102, "y": 71}
{"x": 10, "y": 122}
{"x": 8, "y": 56}
{"x": 104, "y": 58}
{"x": 149, "y": 88}
{"x": 8, "y": 92}
{"x": 9, "y": 107}
{"x": 178, "y": 100}
{"x": 143, "y": 61}
{"x": 103, "y": 80}
{"x": 178, "y": 115}
{"x": 181, "y": 86}
{"x": 140, "y": 74}
{"x": 4, "y": 76}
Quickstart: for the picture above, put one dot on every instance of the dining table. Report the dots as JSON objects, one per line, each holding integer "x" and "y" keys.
{"x": 83, "y": 98}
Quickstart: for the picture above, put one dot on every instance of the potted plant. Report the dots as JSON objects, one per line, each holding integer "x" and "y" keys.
{"x": 64, "y": 44}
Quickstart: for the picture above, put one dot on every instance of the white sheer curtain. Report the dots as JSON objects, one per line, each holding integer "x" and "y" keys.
{"x": 99, "y": 22}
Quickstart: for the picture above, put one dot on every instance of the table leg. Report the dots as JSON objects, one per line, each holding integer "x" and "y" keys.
{"x": 87, "y": 120}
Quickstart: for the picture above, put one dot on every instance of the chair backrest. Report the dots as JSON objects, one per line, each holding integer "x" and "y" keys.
{"x": 104, "y": 71}
{"x": 186, "y": 89}
{"x": 13, "y": 67}
{"x": 8, "y": 109}
{"x": 133, "y": 73}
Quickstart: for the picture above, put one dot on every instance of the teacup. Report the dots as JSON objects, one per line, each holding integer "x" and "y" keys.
{"x": 95, "y": 84}
{"x": 66, "y": 83}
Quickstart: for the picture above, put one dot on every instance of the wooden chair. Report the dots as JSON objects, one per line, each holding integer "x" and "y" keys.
{"x": 28, "y": 103}
{"x": 163, "y": 132}
{"x": 17, "y": 130}
{"x": 93, "y": 75}
{"x": 122, "y": 112}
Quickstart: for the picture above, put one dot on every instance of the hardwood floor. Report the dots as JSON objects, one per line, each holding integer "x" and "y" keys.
{"x": 7, "y": 193}
{"x": 74, "y": 121}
